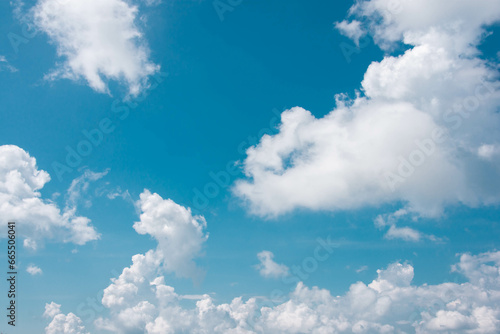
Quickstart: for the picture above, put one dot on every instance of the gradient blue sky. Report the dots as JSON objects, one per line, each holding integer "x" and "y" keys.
{"x": 224, "y": 82}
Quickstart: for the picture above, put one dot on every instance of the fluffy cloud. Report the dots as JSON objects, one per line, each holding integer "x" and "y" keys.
{"x": 351, "y": 29}
{"x": 389, "y": 304}
{"x": 34, "y": 270}
{"x": 140, "y": 301}
{"x": 180, "y": 237}
{"x": 179, "y": 234}
{"x": 36, "y": 218}
{"x": 61, "y": 323}
{"x": 392, "y": 21}
{"x": 423, "y": 132}
{"x": 268, "y": 268}
{"x": 98, "y": 41}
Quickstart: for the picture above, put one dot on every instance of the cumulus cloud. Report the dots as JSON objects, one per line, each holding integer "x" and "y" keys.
{"x": 389, "y": 304}
{"x": 180, "y": 237}
{"x": 37, "y": 218}
{"x": 268, "y": 268}
{"x": 179, "y": 234}
{"x": 61, "y": 323}
{"x": 34, "y": 270}
{"x": 416, "y": 133}
{"x": 97, "y": 41}
{"x": 140, "y": 301}
{"x": 405, "y": 233}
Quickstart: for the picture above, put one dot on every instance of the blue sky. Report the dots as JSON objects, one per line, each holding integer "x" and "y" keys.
{"x": 177, "y": 106}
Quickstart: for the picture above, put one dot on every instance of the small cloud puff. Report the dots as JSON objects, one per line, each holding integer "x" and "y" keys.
{"x": 268, "y": 268}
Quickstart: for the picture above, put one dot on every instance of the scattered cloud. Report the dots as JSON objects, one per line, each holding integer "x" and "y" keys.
{"x": 403, "y": 233}
{"x": 139, "y": 300}
{"x": 412, "y": 135}
{"x": 20, "y": 182}
{"x": 98, "y": 41}
{"x": 268, "y": 268}
{"x": 34, "y": 270}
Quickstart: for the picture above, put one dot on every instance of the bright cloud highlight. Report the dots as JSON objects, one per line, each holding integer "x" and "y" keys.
{"x": 423, "y": 132}
{"x": 20, "y": 201}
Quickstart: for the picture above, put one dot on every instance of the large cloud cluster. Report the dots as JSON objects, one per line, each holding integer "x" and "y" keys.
{"x": 423, "y": 131}
{"x": 389, "y": 304}
{"x": 36, "y": 218}
{"x": 98, "y": 41}
{"x": 140, "y": 301}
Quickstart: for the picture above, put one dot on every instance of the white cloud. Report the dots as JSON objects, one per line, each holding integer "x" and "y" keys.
{"x": 268, "y": 268}
{"x": 21, "y": 201}
{"x": 414, "y": 135}
{"x": 34, "y": 270}
{"x": 389, "y": 304}
{"x": 139, "y": 300}
{"x": 180, "y": 237}
{"x": 351, "y": 29}
{"x": 405, "y": 233}
{"x": 60, "y": 323}
{"x": 389, "y": 219}
{"x": 98, "y": 41}
{"x": 80, "y": 185}
{"x": 5, "y": 66}
{"x": 179, "y": 234}
{"x": 51, "y": 310}
{"x": 407, "y": 19}
{"x": 488, "y": 151}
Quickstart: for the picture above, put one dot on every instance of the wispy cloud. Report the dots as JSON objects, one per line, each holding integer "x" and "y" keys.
{"x": 5, "y": 66}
